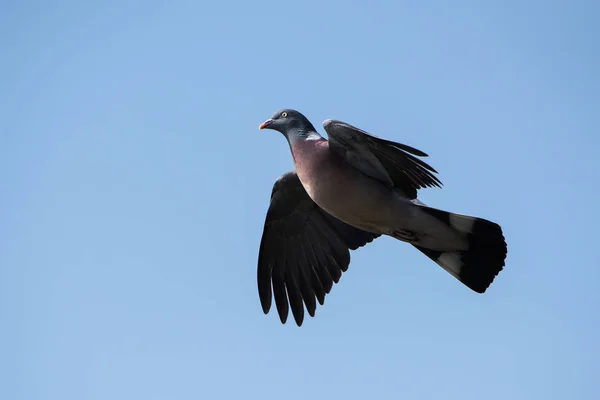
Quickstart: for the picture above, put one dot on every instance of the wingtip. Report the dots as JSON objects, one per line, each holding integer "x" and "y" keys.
{"x": 299, "y": 321}
{"x": 266, "y": 306}
{"x": 265, "y": 299}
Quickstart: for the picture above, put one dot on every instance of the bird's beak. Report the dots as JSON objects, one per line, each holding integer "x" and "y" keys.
{"x": 265, "y": 124}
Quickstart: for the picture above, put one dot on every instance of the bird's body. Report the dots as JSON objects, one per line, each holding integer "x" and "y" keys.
{"x": 327, "y": 181}
{"x": 363, "y": 202}
{"x": 344, "y": 193}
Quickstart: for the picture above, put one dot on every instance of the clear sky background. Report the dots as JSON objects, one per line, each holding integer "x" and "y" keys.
{"x": 134, "y": 185}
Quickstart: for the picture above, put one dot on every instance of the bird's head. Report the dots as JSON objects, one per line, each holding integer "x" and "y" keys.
{"x": 289, "y": 123}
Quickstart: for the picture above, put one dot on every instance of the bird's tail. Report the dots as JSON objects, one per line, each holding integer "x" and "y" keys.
{"x": 484, "y": 258}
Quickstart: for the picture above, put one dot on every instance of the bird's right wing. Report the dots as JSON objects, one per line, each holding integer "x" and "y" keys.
{"x": 303, "y": 250}
{"x": 392, "y": 163}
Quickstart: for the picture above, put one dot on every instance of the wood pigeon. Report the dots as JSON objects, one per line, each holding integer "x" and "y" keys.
{"x": 344, "y": 193}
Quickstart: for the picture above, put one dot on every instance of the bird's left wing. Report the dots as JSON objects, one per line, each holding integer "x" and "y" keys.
{"x": 303, "y": 250}
{"x": 392, "y": 163}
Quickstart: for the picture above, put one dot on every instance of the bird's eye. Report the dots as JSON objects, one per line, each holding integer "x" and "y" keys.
{"x": 283, "y": 114}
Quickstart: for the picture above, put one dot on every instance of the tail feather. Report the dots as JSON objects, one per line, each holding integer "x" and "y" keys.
{"x": 477, "y": 266}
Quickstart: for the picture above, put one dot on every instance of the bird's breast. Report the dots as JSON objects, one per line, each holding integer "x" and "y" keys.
{"x": 310, "y": 161}
{"x": 340, "y": 189}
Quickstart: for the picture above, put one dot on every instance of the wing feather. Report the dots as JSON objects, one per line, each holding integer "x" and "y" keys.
{"x": 303, "y": 251}
{"x": 392, "y": 163}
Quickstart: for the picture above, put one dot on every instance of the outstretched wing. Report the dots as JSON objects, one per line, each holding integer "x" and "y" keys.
{"x": 303, "y": 250}
{"x": 392, "y": 163}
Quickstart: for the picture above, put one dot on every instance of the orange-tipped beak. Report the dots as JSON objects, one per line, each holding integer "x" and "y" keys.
{"x": 265, "y": 124}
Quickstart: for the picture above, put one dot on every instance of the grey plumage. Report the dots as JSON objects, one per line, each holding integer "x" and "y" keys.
{"x": 344, "y": 193}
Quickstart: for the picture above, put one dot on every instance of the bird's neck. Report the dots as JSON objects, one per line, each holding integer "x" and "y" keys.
{"x": 303, "y": 134}
{"x": 302, "y": 142}
{"x": 302, "y": 139}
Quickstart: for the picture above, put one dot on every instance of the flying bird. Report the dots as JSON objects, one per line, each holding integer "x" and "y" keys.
{"x": 344, "y": 193}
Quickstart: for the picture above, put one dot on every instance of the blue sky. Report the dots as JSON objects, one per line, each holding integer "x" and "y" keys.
{"x": 135, "y": 184}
